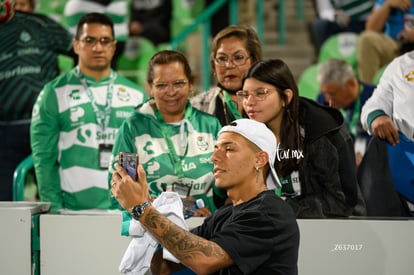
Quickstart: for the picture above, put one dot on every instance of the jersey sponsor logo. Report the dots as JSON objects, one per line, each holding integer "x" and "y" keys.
{"x": 105, "y": 136}
{"x": 123, "y": 94}
{"x": 75, "y": 94}
{"x": 148, "y": 148}
{"x": 19, "y": 71}
{"x": 291, "y": 185}
{"x": 28, "y": 51}
{"x": 5, "y": 56}
{"x": 202, "y": 143}
{"x": 152, "y": 167}
{"x": 205, "y": 160}
{"x": 189, "y": 166}
{"x": 25, "y": 37}
{"x": 76, "y": 113}
{"x": 199, "y": 186}
{"x": 83, "y": 135}
{"x": 123, "y": 114}
{"x": 409, "y": 76}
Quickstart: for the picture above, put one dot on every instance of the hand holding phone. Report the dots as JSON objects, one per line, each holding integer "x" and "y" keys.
{"x": 129, "y": 162}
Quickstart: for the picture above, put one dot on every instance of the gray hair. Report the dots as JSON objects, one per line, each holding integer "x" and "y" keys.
{"x": 335, "y": 71}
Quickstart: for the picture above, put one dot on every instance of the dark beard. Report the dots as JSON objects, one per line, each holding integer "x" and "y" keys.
{"x": 233, "y": 92}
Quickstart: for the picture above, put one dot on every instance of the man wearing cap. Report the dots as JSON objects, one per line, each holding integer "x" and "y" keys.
{"x": 256, "y": 234}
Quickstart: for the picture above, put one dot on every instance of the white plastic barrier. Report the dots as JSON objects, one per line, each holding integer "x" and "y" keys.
{"x": 91, "y": 244}
{"x": 81, "y": 244}
{"x": 16, "y": 225}
{"x": 358, "y": 247}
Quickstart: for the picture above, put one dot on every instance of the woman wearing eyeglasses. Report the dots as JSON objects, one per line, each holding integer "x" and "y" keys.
{"x": 233, "y": 50}
{"x": 315, "y": 159}
{"x": 174, "y": 141}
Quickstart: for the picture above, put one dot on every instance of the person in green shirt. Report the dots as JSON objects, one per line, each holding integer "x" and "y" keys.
{"x": 174, "y": 141}
{"x": 75, "y": 120}
{"x": 30, "y": 44}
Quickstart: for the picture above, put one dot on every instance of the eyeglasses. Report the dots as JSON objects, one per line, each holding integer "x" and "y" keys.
{"x": 237, "y": 60}
{"x": 259, "y": 94}
{"x": 105, "y": 42}
{"x": 163, "y": 86}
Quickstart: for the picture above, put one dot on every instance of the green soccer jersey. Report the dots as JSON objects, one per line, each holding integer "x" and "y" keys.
{"x": 171, "y": 152}
{"x": 29, "y": 45}
{"x": 116, "y": 10}
{"x": 355, "y": 9}
{"x": 71, "y": 123}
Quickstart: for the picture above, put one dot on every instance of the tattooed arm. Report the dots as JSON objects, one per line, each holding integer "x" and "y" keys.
{"x": 200, "y": 255}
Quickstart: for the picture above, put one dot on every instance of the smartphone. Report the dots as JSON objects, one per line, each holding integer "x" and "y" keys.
{"x": 129, "y": 161}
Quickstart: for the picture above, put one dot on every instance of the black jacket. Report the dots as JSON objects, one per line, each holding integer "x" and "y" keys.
{"x": 327, "y": 174}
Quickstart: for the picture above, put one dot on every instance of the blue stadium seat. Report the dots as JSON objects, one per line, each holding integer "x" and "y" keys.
{"x": 386, "y": 194}
{"x": 401, "y": 161}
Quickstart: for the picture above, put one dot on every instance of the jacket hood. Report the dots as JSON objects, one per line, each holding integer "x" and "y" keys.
{"x": 318, "y": 120}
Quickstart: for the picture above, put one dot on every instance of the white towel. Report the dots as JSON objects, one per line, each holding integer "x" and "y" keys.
{"x": 137, "y": 257}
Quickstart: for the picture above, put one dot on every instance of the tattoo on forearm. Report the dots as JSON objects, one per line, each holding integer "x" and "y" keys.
{"x": 174, "y": 238}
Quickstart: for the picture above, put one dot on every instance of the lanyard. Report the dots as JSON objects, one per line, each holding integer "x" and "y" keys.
{"x": 184, "y": 144}
{"x": 353, "y": 122}
{"x": 102, "y": 117}
{"x": 233, "y": 108}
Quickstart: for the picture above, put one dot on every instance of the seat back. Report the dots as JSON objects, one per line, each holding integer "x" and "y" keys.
{"x": 19, "y": 178}
{"x": 343, "y": 46}
{"x": 133, "y": 63}
{"x": 377, "y": 184}
{"x": 308, "y": 84}
{"x": 401, "y": 162}
{"x": 65, "y": 63}
{"x": 378, "y": 75}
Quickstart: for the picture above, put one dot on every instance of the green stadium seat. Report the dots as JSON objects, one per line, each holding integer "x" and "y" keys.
{"x": 342, "y": 46}
{"x": 53, "y": 9}
{"x": 22, "y": 177}
{"x": 65, "y": 63}
{"x": 378, "y": 75}
{"x": 308, "y": 84}
{"x": 184, "y": 14}
{"x": 133, "y": 63}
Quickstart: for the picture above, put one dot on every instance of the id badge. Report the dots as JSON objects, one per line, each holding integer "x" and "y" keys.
{"x": 182, "y": 189}
{"x": 105, "y": 152}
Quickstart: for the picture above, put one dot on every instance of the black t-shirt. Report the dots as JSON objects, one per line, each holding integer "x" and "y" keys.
{"x": 261, "y": 235}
